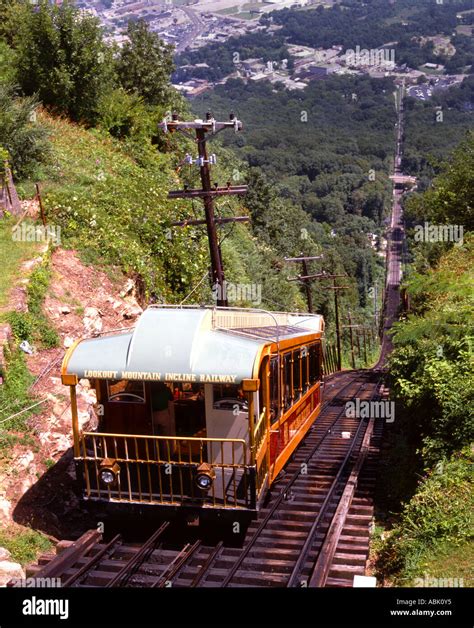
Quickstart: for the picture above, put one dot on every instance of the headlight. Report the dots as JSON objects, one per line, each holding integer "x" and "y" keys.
{"x": 109, "y": 470}
{"x": 107, "y": 476}
{"x": 205, "y": 476}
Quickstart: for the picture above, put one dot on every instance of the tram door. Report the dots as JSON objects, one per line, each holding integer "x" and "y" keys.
{"x": 226, "y": 417}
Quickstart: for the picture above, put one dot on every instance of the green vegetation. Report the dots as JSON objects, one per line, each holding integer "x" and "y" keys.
{"x": 435, "y": 528}
{"x": 432, "y": 375}
{"x": 222, "y": 58}
{"x": 326, "y": 152}
{"x": 24, "y": 544}
{"x": 14, "y": 396}
{"x": 375, "y": 23}
{"x": 33, "y": 325}
{"x": 144, "y": 65}
{"x": 435, "y": 128}
{"x": 13, "y": 254}
{"x": 60, "y": 57}
{"x": 24, "y": 140}
{"x": 351, "y": 23}
{"x": 432, "y": 366}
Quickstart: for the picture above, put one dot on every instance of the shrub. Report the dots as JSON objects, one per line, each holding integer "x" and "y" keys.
{"x": 25, "y": 140}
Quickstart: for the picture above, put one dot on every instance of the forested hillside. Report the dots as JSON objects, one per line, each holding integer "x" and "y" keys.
{"x": 435, "y": 128}
{"x": 329, "y": 151}
{"x": 432, "y": 374}
{"x": 105, "y": 181}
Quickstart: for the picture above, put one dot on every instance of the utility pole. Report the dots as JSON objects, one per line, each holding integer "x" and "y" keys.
{"x": 376, "y": 316}
{"x": 352, "y": 339}
{"x": 307, "y": 282}
{"x": 365, "y": 344}
{"x": 207, "y": 193}
{"x": 336, "y": 288}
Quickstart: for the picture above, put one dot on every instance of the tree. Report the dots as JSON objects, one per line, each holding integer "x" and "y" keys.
{"x": 145, "y": 63}
{"x": 450, "y": 199}
{"x": 24, "y": 140}
{"x": 63, "y": 58}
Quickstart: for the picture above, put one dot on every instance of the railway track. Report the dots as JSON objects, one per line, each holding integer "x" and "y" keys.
{"x": 311, "y": 520}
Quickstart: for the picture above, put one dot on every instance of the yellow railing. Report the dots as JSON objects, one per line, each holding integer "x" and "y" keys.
{"x": 261, "y": 443}
{"x": 259, "y": 431}
{"x": 162, "y": 469}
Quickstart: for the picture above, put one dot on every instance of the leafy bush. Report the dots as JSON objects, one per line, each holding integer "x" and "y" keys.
{"x": 22, "y": 324}
{"x": 432, "y": 366}
{"x": 438, "y": 515}
{"x": 124, "y": 115}
{"x": 25, "y": 140}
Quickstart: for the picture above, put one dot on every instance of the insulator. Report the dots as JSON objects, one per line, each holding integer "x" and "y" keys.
{"x": 212, "y": 159}
{"x": 188, "y": 159}
{"x": 165, "y": 125}
{"x": 200, "y": 161}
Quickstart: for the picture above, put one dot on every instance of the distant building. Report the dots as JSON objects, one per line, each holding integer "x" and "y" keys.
{"x": 313, "y": 73}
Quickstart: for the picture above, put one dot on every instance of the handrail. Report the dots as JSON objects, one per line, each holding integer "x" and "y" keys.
{"x": 186, "y": 438}
{"x": 262, "y": 416}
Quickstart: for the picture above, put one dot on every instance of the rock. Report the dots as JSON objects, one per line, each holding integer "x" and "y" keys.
{"x": 9, "y": 570}
{"x": 92, "y": 320}
{"x": 131, "y": 312}
{"x": 60, "y": 443}
{"x": 25, "y": 460}
{"x": 5, "y": 338}
{"x": 128, "y": 288}
{"x": 5, "y": 508}
{"x": 4, "y": 554}
{"x": 68, "y": 342}
{"x": 5, "y": 333}
{"x": 65, "y": 309}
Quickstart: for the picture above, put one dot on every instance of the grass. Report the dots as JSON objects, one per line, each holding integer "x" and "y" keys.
{"x": 455, "y": 562}
{"x": 14, "y": 394}
{"x": 24, "y": 544}
{"x": 434, "y": 533}
{"x": 13, "y": 255}
{"x": 33, "y": 325}
{"x": 93, "y": 178}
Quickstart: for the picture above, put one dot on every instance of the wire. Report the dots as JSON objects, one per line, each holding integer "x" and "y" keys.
{"x": 280, "y": 305}
{"x": 24, "y": 410}
{"x": 206, "y": 274}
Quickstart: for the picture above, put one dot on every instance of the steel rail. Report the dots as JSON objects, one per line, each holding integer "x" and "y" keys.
{"x": 134, "y": 563}
{"x": 183, "y": 557}
{"x": 93, "y": 560}
{"x": 303, "y": 556}
{"x": 282, "y": 495}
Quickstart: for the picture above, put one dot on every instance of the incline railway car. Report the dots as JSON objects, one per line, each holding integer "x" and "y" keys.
{"x": 197, "y": 407}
